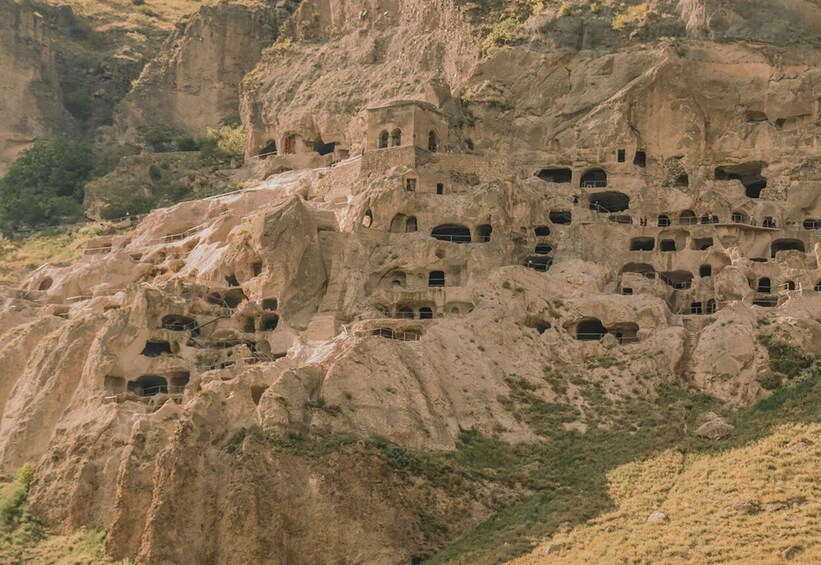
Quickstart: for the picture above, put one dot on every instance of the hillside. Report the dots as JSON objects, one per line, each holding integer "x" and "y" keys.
{"x": 395, "y": 281}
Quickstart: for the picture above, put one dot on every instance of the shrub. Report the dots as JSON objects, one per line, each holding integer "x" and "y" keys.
{"x": 565, "y": 9}
{"x": 187, "y": 143}
{"x": 769, "y": 380}
{"x": 226, "y": 142}
{"x": 785, "y": 357}
{"x": 502, "y": 34}
{"x": 160, "y": 138}
{"x": 45, "y": 185}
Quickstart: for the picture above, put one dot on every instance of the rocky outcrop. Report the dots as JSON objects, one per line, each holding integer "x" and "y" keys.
{"x": 30, "y": 94}
{"x": 525, "y": 239}
{"x": 193, "y": 83}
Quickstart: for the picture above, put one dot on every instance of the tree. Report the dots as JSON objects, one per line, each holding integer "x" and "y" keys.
{"x": 45, "y": 185}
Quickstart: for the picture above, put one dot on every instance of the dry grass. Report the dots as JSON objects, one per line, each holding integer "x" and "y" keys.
{"x": 18, "y": 258}
{"x": 699, "y": 494}
{"x": 107, "y": 15}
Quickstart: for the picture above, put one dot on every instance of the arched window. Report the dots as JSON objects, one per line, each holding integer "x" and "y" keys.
{"x": 590, "y": 329}
{"x": 436, "y": 279}
{"x": 367, "y": 219}
{"x": 543, "y": 249}
{"x": 542, "y": 231}
{"x": 594, "y": 178}
{"x": 383, "y": 140}
{"x": 765, "y": 286}
{"x": 483, "y": 233}
{"x": 709, "y": 219}
{"x": 433, "y": 141}
{"x": 664, "y": 221}
{"x": 396, "y": 137}
{"x": 451, "y": 232}
{"x": 410, "y": 225}
{"x": 711, "y": 307}
{"x": 688, "y": 217}
{"x": 786, "y": 245}
{"x": 425, "y": 313}
{"x": 148, "y": 385}
{"x": 642, "y": 244}
{"x": 789, "y": 285}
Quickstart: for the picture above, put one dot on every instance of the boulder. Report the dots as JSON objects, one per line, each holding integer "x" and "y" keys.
{"x": 658, "y": 517}
{"x": 715, "y": 429}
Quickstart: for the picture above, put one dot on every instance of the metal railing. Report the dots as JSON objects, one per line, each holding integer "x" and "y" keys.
{"x": 599, "y": 336}
{"x": 159, "y": 389}
{"x": 452, "y": 238}
{"x": 593, "y": 183}
{"x": 262, "y": 155}
{"x": 390, "y": 333}
{"x": 177, "y": 327}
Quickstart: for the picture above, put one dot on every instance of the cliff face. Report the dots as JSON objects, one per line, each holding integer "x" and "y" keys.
{"x": 193, "y": 83}
{"x": 30, "y": 92}
{"x": 532, "y": 239}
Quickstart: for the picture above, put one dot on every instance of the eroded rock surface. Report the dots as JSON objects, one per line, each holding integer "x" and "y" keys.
{"x": 436, "y": 232}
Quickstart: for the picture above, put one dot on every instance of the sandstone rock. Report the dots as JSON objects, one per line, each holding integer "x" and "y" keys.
{"x": 552, "y": 549}
{"x": 658, "y": 517}
{"x": 792, "y": 552}
{"x": 715, "y": 429}
{"x": 773, "y": 506}
{"x": 799, "y": 447}
{"x": 747, "y": 507}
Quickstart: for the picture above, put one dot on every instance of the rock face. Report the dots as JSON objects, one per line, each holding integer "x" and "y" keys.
{"x": 193, "y": 83}
{"x": 30, "y": 94}
{"x": 443, "y": 234}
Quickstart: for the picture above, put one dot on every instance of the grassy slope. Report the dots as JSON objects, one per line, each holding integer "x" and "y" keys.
{"x": 23, "y": 539}
{"x": 699, "y": 493}
{"x": 18, "y": 258}
{"x": 569, "y": 479}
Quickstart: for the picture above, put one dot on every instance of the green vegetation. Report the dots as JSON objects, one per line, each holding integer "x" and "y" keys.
{"x": 537, "y": 488}
{"x": 503, "y": 33}
{"x": 226, "y": 142}
{"x": 45, "y": 185}
{"x": 785, "y": 358}
{"x": 20, "y": 257}
{"x": 24, "y": 539}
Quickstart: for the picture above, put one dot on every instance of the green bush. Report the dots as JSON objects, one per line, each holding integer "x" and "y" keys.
{"x": 224, "y": 143}
{"x": 187, "y": 143}
{"x": 785, "y": 357}
{"x": 45, "y": 185}
{"x": 769, "y": 380}
{"x": 502, "y": 34}
{"x": 160, "y": 139}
